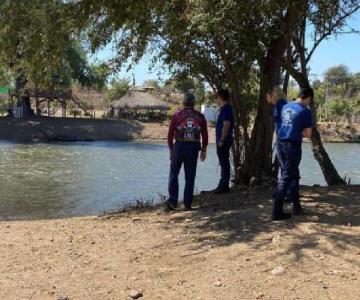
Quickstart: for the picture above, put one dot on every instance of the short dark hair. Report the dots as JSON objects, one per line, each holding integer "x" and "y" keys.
{"x": 306, "y": 93}
{"x": 189, "y": 99}
{"x": 223, "y": 94}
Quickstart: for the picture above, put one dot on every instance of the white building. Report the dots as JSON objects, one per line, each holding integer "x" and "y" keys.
{"x": 210, "y": 112}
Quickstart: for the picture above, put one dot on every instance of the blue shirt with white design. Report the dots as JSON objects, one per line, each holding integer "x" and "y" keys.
{"x": 295, "y": 117}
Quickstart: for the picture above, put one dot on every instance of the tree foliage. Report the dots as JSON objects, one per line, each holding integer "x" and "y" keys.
{"x": 341, "y": 97}
{"x": 339, "y": 108}
{"x": 187, "y": 84}
{"x": 117, "y": 89}
{"x": 34, "y": 36}
{"x": 337, "y": 75}
{"x": 76, "y": 69}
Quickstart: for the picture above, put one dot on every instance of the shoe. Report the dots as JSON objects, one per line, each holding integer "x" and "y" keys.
{"x": 298, "y": 211}
{"x": 287, "y": 200}
{"x": 282, "y": 216}
{"x": 220, "y": 191}
{"x": 169, "y": 206}
{"x": 187, "y": 208}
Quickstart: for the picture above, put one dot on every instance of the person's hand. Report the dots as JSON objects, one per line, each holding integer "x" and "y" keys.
{"x": 220, "y": 144}
{"x": 203, "y": 155}
{"x": 170, "y": 154}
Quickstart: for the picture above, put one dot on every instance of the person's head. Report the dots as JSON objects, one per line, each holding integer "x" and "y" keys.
{"x": 275, "y": 94}
{"x": 305, "y": 96}
{"x": 189, "y": 100}
{"x": 222, "y": 97}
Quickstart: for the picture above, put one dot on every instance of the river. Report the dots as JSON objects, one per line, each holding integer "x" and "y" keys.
{"x": 75, "y": 179}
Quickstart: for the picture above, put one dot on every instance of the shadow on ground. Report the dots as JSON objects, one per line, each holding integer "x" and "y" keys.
{"x": 330, "y": 225}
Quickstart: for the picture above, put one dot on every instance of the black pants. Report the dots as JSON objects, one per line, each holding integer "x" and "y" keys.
{"x": 289, "y": 155}
{"x": 183, "y": 153}
{"x": 223, "y": 154}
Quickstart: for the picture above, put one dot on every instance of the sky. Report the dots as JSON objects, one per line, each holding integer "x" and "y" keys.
{"x": 343, "y": 49}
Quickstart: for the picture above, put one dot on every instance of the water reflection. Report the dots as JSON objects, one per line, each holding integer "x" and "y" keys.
{"x": 67, "y": 179}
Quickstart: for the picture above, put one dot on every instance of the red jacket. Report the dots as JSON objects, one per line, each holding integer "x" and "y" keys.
{"x": 188, "y": 125}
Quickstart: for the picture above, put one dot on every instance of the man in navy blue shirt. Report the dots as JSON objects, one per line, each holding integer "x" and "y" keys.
{"x": 296, "y": 123}
{"x": 224, "y": 139}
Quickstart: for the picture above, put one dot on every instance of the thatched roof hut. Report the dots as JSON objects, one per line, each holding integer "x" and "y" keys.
{"x": 137, "y": 99}
{"x": 140, "y": 104}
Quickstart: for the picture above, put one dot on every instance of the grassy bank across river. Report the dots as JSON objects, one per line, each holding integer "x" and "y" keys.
{"x": 226, "y": 248}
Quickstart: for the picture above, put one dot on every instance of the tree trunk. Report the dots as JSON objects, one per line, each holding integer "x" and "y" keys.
{"x": 261, "y": 144}
{"x": 262, "y": 134}
{"x": 23, "y": 100}
{"x": 286, "y": 82}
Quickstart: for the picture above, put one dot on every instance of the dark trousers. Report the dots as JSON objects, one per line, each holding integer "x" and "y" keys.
{"x": 183, "y": 153}
{"x": 289, "y": 155}
{"x": 223, "y": 154}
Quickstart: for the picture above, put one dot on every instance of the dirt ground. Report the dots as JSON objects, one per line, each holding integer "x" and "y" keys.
{"x": 44, "y": 129}
{"x": 227, "y": 248}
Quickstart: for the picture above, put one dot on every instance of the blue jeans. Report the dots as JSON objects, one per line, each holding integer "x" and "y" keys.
{"x": 223, "y": 154}
{"x": 183, "y": 153}
{"x": 289, "y": 155}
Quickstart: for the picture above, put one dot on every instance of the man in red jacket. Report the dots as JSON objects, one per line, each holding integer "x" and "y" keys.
{"x": 187, "y": 127}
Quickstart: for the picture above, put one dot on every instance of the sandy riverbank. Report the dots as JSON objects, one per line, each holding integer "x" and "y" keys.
{"x": 225, "y": 249}
{"x": 45, "y": 129}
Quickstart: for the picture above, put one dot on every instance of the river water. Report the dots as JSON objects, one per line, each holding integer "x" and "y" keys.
{"x": 73, "y": 179}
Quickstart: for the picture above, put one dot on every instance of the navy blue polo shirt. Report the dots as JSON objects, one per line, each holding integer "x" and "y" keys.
{"x": 277, "y": 113}
{"x": 226, "y": 114}
{"x": 295, "y": 117}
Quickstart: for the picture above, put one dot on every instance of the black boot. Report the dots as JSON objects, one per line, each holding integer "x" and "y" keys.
{"x": 297, "y": 210}
{"x": 220, "y": 191}
{"x": 281, "y": 216}
{"x": 169, "y": 206}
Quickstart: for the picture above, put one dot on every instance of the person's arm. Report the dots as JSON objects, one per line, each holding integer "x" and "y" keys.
{"x": 225, "y": 132}
{"x": 204, "y": 139}
{"x": 171, "y": 134}
{"x": 308, "y": 125}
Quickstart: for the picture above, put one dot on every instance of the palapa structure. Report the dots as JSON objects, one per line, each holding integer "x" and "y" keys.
{"x": 140, "y": 103}
{"x": 49, "y": 98}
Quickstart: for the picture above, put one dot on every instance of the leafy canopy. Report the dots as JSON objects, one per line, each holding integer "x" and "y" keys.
{"x": 34, "y": 36}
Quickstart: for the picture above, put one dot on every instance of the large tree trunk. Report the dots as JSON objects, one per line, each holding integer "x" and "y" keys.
{"x": 262, "y": 134}
{"x": 23, "y": 100}
{"x": 270, "y": 75}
